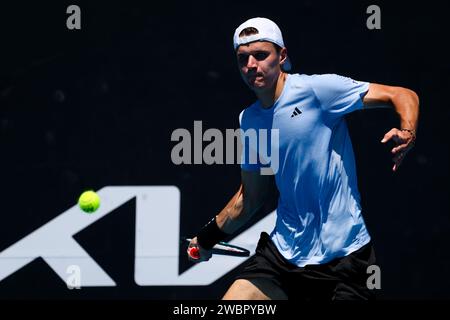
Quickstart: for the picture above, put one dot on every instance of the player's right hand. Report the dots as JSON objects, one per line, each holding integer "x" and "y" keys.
{"x": 196, "y": 253}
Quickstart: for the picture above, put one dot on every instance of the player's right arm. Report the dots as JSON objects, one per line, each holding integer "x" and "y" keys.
{"x": 255, "y": 191}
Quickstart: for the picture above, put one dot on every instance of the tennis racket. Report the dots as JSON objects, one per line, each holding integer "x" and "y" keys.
{"x": 222, "y": 248}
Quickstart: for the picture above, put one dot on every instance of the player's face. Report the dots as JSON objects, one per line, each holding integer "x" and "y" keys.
{"x": 259, "y": 64}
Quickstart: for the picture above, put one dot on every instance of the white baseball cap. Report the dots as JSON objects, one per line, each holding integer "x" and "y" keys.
{"x": 267, "y": 31}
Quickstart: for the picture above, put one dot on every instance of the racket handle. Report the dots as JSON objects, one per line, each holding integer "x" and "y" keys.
{"x": 194, "y": 253}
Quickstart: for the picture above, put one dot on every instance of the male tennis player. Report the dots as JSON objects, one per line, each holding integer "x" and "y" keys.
{"x": 320, "y": 247}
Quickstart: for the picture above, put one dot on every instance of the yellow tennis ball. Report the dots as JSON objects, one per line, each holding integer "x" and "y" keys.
{"x": 89, "y": 201}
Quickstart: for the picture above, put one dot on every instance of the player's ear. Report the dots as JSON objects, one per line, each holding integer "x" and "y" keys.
{"x": 283, "y": 55}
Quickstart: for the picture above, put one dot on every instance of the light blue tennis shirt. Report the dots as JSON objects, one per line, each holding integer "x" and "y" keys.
{"x": 319, "y": 213}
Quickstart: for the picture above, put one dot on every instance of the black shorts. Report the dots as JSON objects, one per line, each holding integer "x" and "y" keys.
{"x": 340, "y": 279}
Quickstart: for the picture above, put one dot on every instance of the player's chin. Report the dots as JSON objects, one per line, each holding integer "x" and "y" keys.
{"x": 256, "y": 85}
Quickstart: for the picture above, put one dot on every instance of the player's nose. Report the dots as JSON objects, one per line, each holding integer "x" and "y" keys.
{"x": 251, "y": 62}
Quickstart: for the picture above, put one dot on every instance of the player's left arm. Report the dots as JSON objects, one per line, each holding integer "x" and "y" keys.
{"x": 406, "y": 104}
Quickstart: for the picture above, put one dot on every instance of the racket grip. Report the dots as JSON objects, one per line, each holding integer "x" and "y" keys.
{"x": 194, "y": 253}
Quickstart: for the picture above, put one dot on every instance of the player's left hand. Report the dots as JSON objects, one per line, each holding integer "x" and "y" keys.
{"x": 403, "y": 141}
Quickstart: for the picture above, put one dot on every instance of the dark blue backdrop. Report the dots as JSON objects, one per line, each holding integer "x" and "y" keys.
{"x": 95, "y": 107}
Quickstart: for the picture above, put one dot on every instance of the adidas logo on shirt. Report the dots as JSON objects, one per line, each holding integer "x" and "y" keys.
{"x": 296, "y": 112}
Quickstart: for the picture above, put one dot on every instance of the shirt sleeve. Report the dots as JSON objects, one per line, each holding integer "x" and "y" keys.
{"x": 338, "y": 95}
{"x": 249, "y": 145}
